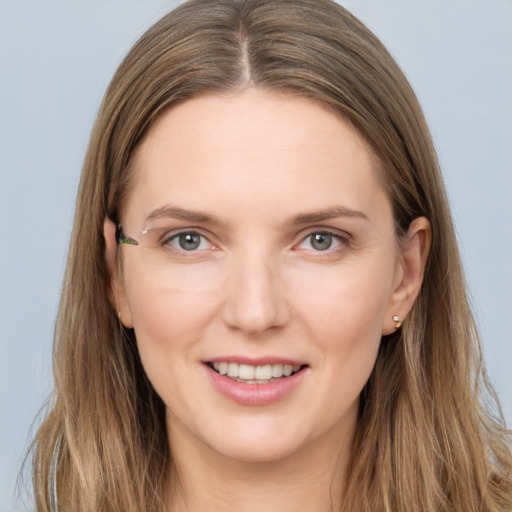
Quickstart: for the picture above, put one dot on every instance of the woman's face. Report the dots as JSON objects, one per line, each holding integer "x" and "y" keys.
{"x": 266, "y": 247}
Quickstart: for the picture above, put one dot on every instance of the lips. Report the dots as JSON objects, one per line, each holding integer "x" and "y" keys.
{"x": 255, "y": 383}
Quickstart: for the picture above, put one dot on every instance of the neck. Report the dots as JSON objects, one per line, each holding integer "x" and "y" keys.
{"x": 311, "y": 479}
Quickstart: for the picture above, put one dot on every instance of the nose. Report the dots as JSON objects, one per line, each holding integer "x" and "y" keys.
{"x": 255, "y": 299}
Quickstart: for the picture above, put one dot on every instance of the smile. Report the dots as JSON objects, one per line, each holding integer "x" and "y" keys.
{"x": 249, "y": 374}
{"x": 259, "y": 384}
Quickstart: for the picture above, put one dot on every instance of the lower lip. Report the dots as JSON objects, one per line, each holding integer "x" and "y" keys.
{"x": 255, "y": 394}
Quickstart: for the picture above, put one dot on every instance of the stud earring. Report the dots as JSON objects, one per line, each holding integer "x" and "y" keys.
{"x": 119, "y": 315}
{"x": 398, "y": 322}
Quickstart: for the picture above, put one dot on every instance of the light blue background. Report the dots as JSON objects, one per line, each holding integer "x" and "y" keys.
{"x": 56, "y": 58}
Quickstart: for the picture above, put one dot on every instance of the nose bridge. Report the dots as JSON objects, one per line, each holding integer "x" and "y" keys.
{"x": 255, "y": 297}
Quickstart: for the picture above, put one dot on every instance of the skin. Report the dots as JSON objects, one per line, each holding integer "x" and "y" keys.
{"x": 258, "y": 287}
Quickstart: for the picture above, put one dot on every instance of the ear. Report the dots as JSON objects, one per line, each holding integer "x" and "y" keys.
{"x": 409, "y": 276}
{"x": 117, "y": 293}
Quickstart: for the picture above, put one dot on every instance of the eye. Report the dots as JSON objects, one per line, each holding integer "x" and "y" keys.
{"x": 187, "y": 241}
{"x": 322, "y": 241}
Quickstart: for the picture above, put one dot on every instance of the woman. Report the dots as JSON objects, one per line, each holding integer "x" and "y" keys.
{"x": 264, "y": 304}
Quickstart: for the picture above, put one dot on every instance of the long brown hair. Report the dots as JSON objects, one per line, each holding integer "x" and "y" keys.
{"x": 426, "y": 440}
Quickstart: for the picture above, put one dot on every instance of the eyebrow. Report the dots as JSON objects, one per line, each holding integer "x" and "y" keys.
{"x": 176, "y": 212}
{"x": 328, "y": 213}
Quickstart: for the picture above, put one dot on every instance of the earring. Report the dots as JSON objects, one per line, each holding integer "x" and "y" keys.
{"x": 119, "y": 315}
{"x": 398, "y": 322}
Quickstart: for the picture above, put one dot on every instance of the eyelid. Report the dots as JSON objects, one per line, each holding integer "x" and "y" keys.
{"x": 169, "y": 232}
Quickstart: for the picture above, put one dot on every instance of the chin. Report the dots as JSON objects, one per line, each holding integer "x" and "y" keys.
{"x": 257, "y": 451}
{"x": 267, "y": 439}
{"x": 244, "y": 438}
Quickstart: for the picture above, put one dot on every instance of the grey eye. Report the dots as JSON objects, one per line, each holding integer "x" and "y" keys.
{"x": 189, "y": 241}
{"x": 321, "y": 241}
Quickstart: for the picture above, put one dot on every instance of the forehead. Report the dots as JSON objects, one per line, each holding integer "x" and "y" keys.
{"x": 255, "y": 150}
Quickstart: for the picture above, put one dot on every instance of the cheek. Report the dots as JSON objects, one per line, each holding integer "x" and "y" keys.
{"x": 168, "y": 323}
{"x": 169, "y": 314}
{"x": 168, "y": 326}
{"x": 349, "y": 301}
{"x": 170, "y": 317}
{"x": 345, "y": 320}
{"x": 345, "y": 317}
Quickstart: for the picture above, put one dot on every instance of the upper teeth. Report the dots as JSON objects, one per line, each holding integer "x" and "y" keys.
{"x": 249, "y": 372}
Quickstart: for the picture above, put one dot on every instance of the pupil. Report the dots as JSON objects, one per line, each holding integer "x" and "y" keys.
{"x": 321, "y": 241}
{"x": 189, "y": 241}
